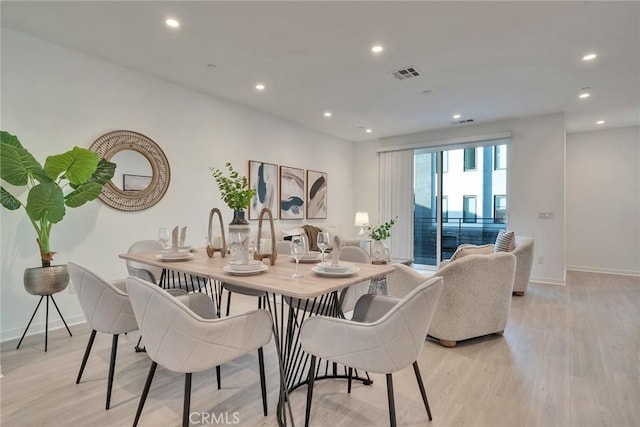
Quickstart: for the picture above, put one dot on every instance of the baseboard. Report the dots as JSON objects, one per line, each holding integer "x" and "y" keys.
{"x": 604, "y": 270}
{"x": 38, "y": 328}
{"x": 547, "y": 281}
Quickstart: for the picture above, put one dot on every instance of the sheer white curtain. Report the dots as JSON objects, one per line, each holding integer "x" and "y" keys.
{"x": 395, "y": 171}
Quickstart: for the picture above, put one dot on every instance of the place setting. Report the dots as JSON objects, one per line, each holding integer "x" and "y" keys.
{"x": 241, "y": 263}
{"x": 335, "y": 267}
{"x": 178, "y": 250}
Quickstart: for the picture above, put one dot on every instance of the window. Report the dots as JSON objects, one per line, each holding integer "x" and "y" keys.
{"x": 445, "y": 161}
{"x": 499, "y": 157}
{"x": 500, "y": 209}
{"x": 470, "y": 159}
{"x": 445, "y": 209}
{"x": 469, "y": 212}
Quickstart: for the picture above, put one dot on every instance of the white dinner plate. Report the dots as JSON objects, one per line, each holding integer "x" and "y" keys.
{"x": 175, "y": 257}
{"x": 230, "y": 269}
{"x": 342, "y": 267}
{"x": 252, "y": 265}
{"x": 322, "y": 272}
{"x": 309, "y": 258}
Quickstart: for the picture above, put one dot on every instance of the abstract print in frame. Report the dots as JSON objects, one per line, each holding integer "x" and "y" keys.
{"x": 263, "y": 177}
{"x": 316, "y": 195}
{"x": 291, "y": 193}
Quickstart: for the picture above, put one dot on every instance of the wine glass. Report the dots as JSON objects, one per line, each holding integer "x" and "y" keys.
{"x": 297, "y": 250}
{"x": 323, "y": 242}
{"x": 163, "y": 237}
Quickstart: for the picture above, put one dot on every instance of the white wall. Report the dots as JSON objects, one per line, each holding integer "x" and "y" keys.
{"x": 54, "y": 98}
{"x": 536, "y": 167}
{"x": 603, "y": 201}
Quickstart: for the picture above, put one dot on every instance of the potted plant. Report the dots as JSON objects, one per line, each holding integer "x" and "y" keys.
{"x": 237, "y": 195}
{"x": 379, "y": 251}
{"x": 79, "y": 172}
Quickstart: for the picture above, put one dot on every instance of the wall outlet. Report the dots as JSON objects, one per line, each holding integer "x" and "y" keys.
{"x": 540, "y": 260}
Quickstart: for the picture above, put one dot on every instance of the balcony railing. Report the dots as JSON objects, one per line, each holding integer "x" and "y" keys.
{"x": 455, "y": 231}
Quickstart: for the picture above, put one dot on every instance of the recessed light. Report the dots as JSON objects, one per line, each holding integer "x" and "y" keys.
{"x": 211, "y": 66}
{"x": 600, "y": 122}
{"x": 584, "y": 95}
{"x": 456, "y": 116}
{"x": 377, "y": 49}
{"x": 173, "y": 23}
{"x": 589, "y": 57}
{"x": 327, "y": 114}
{"x": 260, "y": 86}
{"x": 368, "y": 130}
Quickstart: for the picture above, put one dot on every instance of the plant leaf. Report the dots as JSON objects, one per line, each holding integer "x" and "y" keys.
{"x": 46, "y": 201}
{"x": 103, "y": 174}
{"x": 8, "y": 201}
{"x": 83, "y": 194}
{"x": 77, "y": 165}
{"x": 17, "y": 164}
{"x": 7, "y": 138}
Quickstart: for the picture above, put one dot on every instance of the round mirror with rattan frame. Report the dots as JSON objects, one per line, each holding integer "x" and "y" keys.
{"x": 113, "y": 142}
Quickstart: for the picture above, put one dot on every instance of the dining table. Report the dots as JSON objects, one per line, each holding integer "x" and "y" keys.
{"x": 290, "y": 300}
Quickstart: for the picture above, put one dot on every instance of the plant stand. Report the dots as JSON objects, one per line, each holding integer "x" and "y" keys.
{"x": 46, "y": 327}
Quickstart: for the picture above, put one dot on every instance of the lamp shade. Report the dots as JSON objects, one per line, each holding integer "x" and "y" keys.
{"x": 362, "y": 218}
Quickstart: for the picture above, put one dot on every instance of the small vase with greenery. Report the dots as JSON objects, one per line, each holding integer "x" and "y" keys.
{"x": 380, "y": 253}
{"x": 79, "y": 172}
{"x": 234, "y": 188}
{"x": 380, "y": 232}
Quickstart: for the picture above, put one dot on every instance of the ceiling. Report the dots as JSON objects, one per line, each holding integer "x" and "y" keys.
{"x": 484, "y": 60}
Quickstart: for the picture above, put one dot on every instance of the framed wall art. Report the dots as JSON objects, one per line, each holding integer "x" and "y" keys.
{"x": 291, "y": 193}
{"x": 316, "y": 195}
{"x": 263, "y": 177}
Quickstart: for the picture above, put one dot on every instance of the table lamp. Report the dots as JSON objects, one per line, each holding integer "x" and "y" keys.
{"x": 362, "y": 219}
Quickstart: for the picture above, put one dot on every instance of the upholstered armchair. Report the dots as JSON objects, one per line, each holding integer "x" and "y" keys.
{"x": 386, "y": 336}
{"x": 476, "y": 297}
{"x": 185, "y": 339}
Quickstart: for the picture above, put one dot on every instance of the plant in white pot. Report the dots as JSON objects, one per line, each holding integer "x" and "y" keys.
{"x": 379, "y": 251}
{"x": 67, "y": 180}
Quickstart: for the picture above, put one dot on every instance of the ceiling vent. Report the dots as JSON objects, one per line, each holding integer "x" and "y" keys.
{"x": 406, "y": 73}
{"x": 461, "y": 122}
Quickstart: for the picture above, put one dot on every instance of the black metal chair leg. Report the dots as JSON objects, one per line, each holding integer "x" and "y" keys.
{"x": 86, "y": 355}
{"x": 310, "y": 379}
{"x": 228, "y": 302}
{"x": 112, "y": 368}
{"x": 416, "y": 369}
{"x": 392, "y": 404}
{"x": 263, "y": 384}
{"x": 63, "y": 321}
{"x": 349, "y": 380}
{"x": 187, "y": 400}
{"x": 218, "y": 377}
{"x": 145, "y": 392}
{"x": 30, "y": 320}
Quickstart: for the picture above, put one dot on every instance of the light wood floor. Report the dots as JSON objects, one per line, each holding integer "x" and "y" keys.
{"x": 570, "y": 356}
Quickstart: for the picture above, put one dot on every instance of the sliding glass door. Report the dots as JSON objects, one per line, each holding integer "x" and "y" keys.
{"x": 473, "y": 207}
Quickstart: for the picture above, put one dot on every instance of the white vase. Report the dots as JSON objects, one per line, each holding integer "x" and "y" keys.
{"x": 380, "y": 253}
{"x": 240, "y": 225}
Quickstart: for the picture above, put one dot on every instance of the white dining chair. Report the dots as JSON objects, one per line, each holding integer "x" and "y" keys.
{"x": 107, "y": 309}
{"x": 182, "y": 340}
{"x": 384, "y": 336}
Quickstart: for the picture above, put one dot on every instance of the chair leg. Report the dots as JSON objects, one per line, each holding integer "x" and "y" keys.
{"x": 263, "y": 384}
{"x": 349, "y": 380}
{"x": 112, "y": 368}
{"x": 310, "y": 378}
{"x": 187, "y": 400}
{"x": 86, "y": 355}
{"x": 416, "y": 369}
{"x": 30, "y": 320}
{"x": 392, "y": 404}
{"x": 228, "y": 302}
{"x": 218, "y": 377}
{"x": 145, "y": 392}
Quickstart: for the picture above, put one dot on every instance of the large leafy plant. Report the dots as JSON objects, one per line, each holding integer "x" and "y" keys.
{"x": 234, "y": 188}
{"x": 79, "y": 172}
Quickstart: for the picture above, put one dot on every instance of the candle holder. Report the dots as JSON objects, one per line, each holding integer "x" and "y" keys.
{"x": 257, "y": 255}
{"x": 210, "y": 249}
